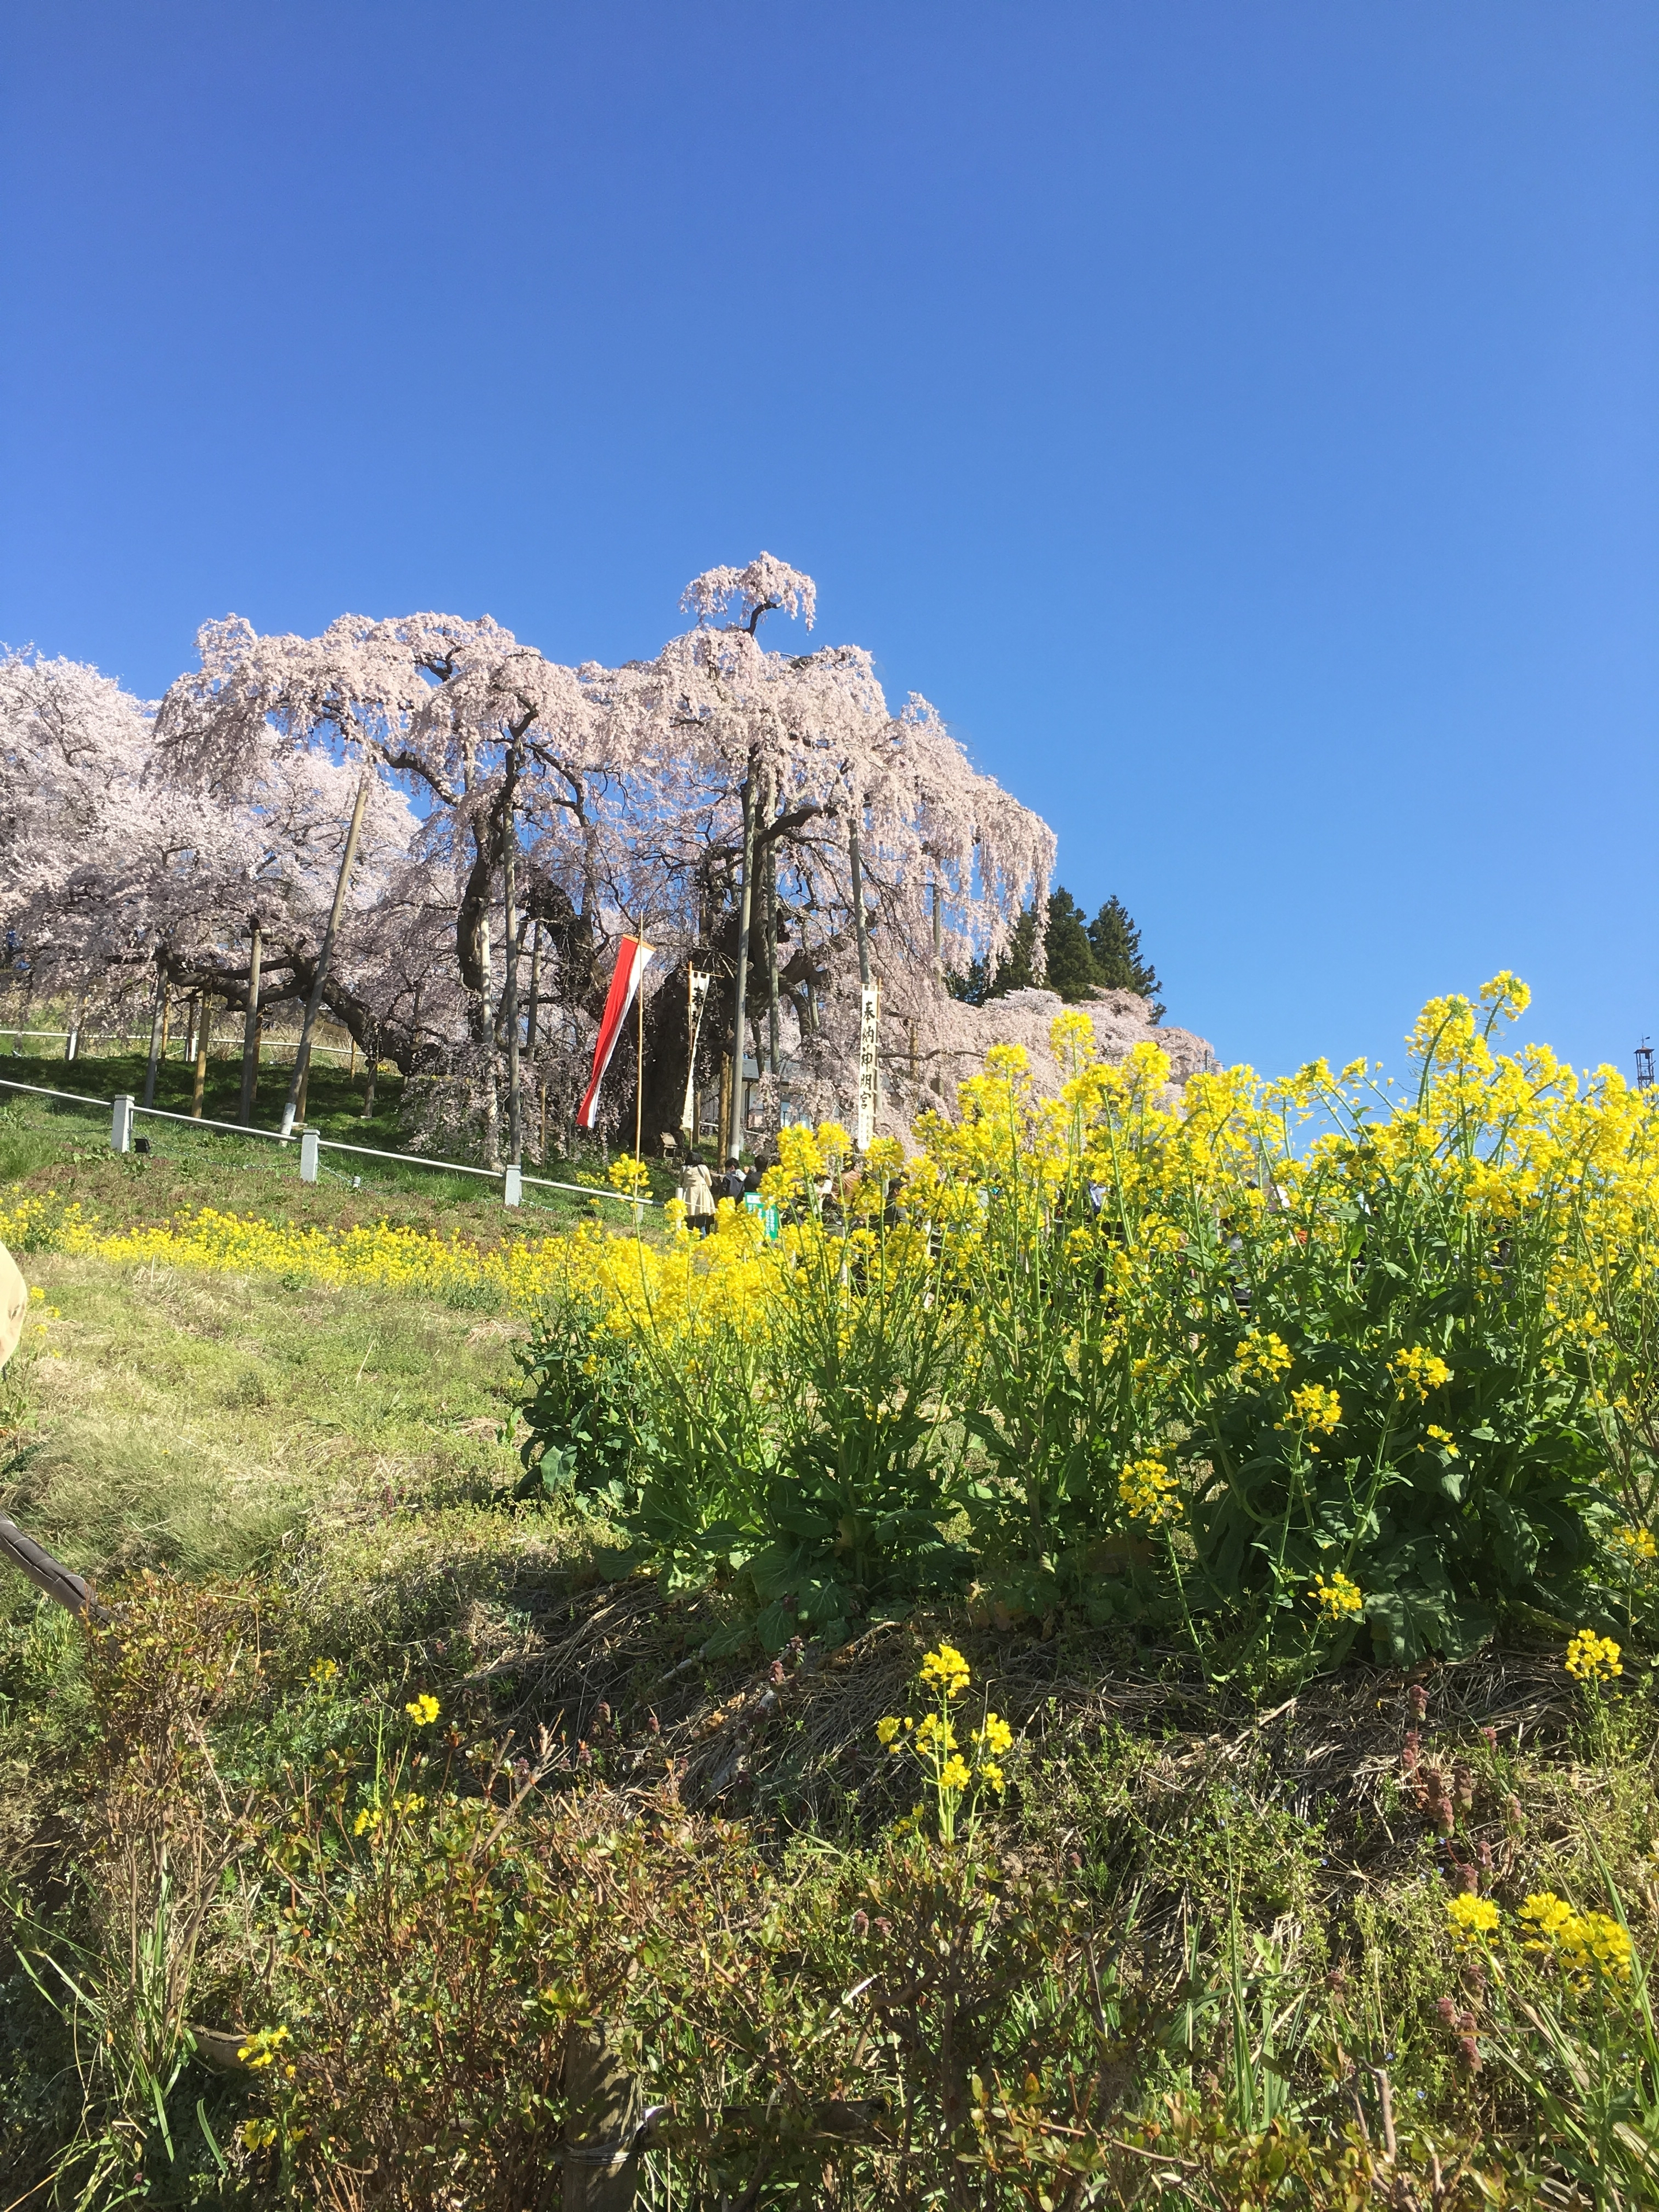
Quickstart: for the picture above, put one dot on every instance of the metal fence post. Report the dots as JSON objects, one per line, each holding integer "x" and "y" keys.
{"x": 308, "y": 1143}
{"x": 512, "y": 1187}
{"x": 120, "y": 1123}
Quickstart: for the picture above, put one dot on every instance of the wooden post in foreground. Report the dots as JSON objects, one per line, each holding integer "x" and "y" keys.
{"x": 203, "y": 1038}
{"x": 251, "y": 1033}
{"x": 46, "y": 1573}
{"x": 606, "y": 2130}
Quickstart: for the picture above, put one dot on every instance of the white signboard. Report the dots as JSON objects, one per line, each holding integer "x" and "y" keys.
{"x": 869, "y": 1028}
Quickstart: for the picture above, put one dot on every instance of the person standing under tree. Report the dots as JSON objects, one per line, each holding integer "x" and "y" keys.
{"x": 697, "y": 1194}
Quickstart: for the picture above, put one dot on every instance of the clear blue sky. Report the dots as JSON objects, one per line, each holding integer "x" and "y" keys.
{"x": 1243, "y": 421}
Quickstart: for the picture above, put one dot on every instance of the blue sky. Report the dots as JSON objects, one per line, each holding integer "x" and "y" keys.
{"x": 1241, "y": 421}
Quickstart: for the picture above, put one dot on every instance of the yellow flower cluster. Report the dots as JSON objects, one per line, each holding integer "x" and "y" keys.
{"x": 1416, "y": 1368}
{"x": 1262, "y": 1358}
{"x": 931, "y": 1741}
{"x": 1147, "y": 1492}
{"x": 423, "y": 1710}
{"x": 1583, "y": 1944}
{"x": 263, "y": 2048}
{"x": 1638, "y": 1542}
{"x": 1593, "y": 1658}
{"x": 1313, "y": 1409}
{"x": 1435, "y": 1434}
{"x": 373, "y": 1818}
{"x": 1472, "y": 1918}
{"x": 1337, "y": 1599}
{"x": 946, "y": 1670}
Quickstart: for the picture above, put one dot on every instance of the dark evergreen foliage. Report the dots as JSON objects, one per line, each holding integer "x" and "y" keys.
{"x": 1118, "y": 961}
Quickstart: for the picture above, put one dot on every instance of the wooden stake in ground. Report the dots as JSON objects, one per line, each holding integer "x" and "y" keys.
{"x": 251, "y": 1033}
{"x": 602, "y": 2136}
{"x": 204, "y": 1039}
{"x": 157, "y": 1037}
{"x": 302, "y": 1056}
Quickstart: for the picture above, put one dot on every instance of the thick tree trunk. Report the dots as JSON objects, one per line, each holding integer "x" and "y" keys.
{"x": 250, "y": 1034}
{"x": 302, "y": 1057}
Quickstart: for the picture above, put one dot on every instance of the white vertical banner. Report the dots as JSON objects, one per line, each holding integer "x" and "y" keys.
{"x": 697, "y": 990}
{"x": 869, "y": 1033}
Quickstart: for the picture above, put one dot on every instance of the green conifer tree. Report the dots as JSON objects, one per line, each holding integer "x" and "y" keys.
{"x": 1118, "y": 960}
{"x": 1072, "y": 968}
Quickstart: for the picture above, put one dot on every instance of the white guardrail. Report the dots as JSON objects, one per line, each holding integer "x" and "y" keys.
{"x": 124, "y": 1109}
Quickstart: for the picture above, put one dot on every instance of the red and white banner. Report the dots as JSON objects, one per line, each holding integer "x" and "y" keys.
{"x": 631, "y": 955}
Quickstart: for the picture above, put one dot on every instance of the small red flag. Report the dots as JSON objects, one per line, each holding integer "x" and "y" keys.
{"x": 631, "y": 955}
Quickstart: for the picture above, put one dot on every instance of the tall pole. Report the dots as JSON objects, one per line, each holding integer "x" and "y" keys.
{"x": 535, "y": 988}
{"x": 302, "y": 1055}
{"x": 740, "y": 1008}
{"x": 938, "y": 934}
{"x": 514, "y": 1106}
{"x": 156, "y": 1030}
{"x": 639, "y": 1092}
{"x": 855, "y": 860}
{"x": 772, "y": 957}
{"x": 251, "y": 1032}
{"x": 203, "y": 1040}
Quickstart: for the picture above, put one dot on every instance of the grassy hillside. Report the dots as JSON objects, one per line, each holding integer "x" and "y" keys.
{"x": 404, "y": 1789}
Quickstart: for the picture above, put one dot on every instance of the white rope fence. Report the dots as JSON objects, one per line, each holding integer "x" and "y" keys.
{"x": 124, "y": 1110}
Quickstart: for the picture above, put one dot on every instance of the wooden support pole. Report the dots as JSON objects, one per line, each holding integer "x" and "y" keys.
{"x": 605, "y": 2130}
{"x": 250, "y": 1031}
{"x": 157, "y": 1037}
{"x": 203, "y": 1038}
{"x": 509, "y": 899}
{"x": 294, "y": 1108}
{"x": 740, "y": 988}
{"x": 59, "y": 1582}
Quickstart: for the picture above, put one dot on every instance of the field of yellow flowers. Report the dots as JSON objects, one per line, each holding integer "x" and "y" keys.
{"x": 1302, "y": 1362}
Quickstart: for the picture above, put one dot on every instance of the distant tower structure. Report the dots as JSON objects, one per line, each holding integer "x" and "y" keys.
{"x": 1645, "y": 1065}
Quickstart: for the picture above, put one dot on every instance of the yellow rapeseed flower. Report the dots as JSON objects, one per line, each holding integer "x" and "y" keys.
{"x": 947, "y": 1670}
{"x": 1340, "y": 1598}
{"x": 1146, "y": 1490}
{"x": 1414, "y": 1367}
{"x": 1593, "y": 1658}
{"x": 1315, "y": 1409}
{"x": 1638, "y": 1542}
{"x": 423, "y": 1710}
{"x": 1262, "y": 1357}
